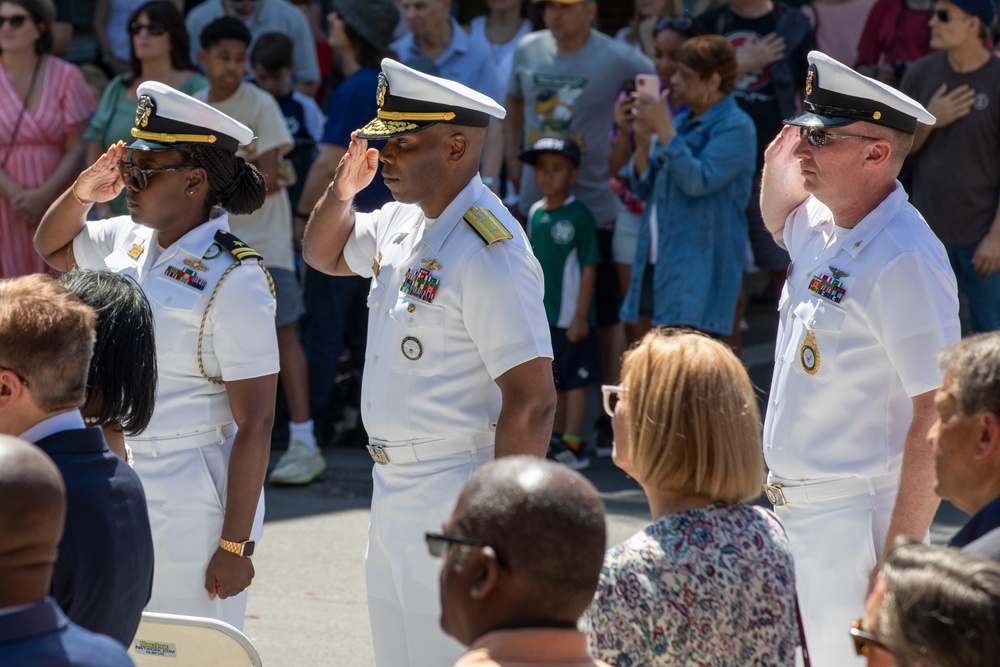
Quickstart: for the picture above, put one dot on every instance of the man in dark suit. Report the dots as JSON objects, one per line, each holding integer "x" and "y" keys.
{"x": 966, "y": 440}
{"x": 103, "y": 576}
{"x": 33, "y": 630}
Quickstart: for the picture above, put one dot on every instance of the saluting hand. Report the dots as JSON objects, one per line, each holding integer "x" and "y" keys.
{"x": 356, "y": 169}
{"x": 227, "y": 574}
{"x": 102, "y": 181}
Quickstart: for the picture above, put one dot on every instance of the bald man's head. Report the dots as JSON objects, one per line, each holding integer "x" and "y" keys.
{"x": 32, "y": 511}
{"x": 545, "y": 524}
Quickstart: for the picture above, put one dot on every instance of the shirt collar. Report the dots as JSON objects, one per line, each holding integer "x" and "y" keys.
{"x": 64, "y": 421}
{"x": 198, "y": 240}
{"x": 27, "y": 621}
{"x": 439, "y": 229}
{"x": 858, "y": 238}
{"x": 981, "y": 523}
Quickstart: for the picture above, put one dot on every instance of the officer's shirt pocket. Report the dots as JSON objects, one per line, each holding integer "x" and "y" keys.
{"x": 419, "y": 327}
{"x": 174, "y": 310}
{"x": 818, "y": 323}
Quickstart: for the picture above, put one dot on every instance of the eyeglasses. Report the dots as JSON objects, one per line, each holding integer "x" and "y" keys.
{"x": 139, "y": 176}
{"x": 610, "y": 394}
{"x": 5, "y": 368}
{"x": 864, "y": 642}
{"x": 15, "y": 21}
{"x": 152, "y": 29}
{"x": 817, "y": 138}
{"x": 437, "y": 544}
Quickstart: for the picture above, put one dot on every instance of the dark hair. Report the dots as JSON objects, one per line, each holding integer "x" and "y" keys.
{"x": 233, "y": 184}
{"x": 165, "y": 13}
{"x": 224, "y": 27}
{"x": 708, "y": 55}
{"x": 366, "y": 53}
{"x": 43, "y": 13}
{"x": 273, "y": 52}
{"x": 684, "y": 25}
{"x": 121, "y": 382}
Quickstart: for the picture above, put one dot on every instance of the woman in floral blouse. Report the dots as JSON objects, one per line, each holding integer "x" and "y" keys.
{"x": 710, "y": 581}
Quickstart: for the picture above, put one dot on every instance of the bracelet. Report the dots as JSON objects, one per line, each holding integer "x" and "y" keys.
{"x": 72, "y": 189}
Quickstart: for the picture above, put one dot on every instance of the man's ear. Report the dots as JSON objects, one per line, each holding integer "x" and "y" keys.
{"x": 202, "y": 56}
{"x": 989, "y": 435}
{"x": 879, "y": 152}
{"x": 11, "y": 389}
{"x": 458, "y": 146}
{"x": 487, "y": 567}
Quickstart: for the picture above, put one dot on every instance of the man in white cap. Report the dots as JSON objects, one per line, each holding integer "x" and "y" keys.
{"x": 869, "y": 302}
{"x": 459, "y": 361}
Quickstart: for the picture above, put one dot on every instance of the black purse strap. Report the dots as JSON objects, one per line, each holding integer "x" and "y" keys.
{"x": 24, "y": 109}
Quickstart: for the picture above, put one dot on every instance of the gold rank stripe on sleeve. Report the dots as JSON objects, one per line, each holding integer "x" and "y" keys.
{"x": 485, "y": 224}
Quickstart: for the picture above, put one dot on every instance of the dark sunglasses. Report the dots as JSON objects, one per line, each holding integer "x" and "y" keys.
{"x": 682, "y": 25}
{"x": 15, "y": 21}
{"x": 864, "y": 641}
{"x": 139, "y": 176}
{"x": 152, "y": 29}
{"x": 817, "y": 138}
{"x": 943, "y": 15}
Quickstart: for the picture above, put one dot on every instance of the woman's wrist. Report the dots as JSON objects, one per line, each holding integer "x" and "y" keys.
{"x": 78, "y": 198}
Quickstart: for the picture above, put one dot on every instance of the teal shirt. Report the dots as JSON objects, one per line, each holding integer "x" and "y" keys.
{"x": 564, "y": 240}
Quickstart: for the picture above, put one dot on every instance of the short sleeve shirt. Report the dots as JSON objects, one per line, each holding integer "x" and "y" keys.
{"x": 864, "y": 314}
{"x": 448, "y": 314}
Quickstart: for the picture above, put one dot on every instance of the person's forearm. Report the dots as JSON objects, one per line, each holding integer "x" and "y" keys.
{"x": 321, "y": 174}
{"x": 493, "y": 151}
{"x": 9, "y": 188}
{"x": 513, "y": 128}
{"x": 67, "y": 167}
{"x": 524, "y": 427}
{"x": 920, "y": 137}
{"x": 641, "y": 163}
{"x": 327, "y": 232}
{"x": 621, "y": 151}
{"x": 247, "y": 470}
{"x": 59, "y": 226}
{"x": 780, "y": 194}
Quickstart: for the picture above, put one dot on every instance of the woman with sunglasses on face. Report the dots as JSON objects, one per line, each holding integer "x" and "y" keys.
{"x": 710, "y": 581}
{"x": 203, "y": 457}
{"x": 694, "y": 172}
{"x": 160, "y": 52}
{"x": 44, "y": 106}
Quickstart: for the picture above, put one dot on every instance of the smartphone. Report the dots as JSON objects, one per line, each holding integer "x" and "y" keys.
{"x": 628, "y": 87}
{"x": 648, "y": 84}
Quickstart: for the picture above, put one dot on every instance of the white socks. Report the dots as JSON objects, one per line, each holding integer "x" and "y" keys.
{"x": 303, "y": 432}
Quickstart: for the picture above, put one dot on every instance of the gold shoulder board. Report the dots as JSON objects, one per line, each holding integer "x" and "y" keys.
{"x": 485, "y": 224}
{"x": 237, "y": 248}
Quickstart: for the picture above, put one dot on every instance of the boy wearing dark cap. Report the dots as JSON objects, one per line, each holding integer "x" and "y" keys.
{"x": 564, "y": 238}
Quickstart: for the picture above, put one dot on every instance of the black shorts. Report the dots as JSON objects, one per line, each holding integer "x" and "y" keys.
{"x": 607, "y": 295}
{"x": 574, "y": 364}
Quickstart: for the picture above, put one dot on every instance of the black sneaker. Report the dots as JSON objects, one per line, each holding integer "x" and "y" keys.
{"x": 604, "y": 436}
{"x": 563, "y": 453}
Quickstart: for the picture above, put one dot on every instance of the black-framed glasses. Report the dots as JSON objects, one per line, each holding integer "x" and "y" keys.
{"x": 19, "y": 376}
{"x": 15, "y": 21}
{"x": 152, "y": 28}
{"x": 437, "y": 544}
{"x": 139, "y": 176}
{"x": 864, "y": 641}
{"x": 818, "y": 137}
{"x": 611, "y": 393}
{"x": 684, "y": 24}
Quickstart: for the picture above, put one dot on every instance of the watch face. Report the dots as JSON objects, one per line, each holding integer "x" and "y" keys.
{"x": 247, "y": 549}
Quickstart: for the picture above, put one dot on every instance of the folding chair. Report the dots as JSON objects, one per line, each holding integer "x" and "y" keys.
{"x": 171, "y": 640}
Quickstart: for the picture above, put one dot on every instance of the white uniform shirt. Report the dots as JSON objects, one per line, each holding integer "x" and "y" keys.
{"x": 847, "y": 364}
{"x": 239, "y": 342}
{"x": 430, "y": 366}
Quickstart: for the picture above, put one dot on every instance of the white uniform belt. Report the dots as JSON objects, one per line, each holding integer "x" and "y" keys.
{"x": 411, "y": 451}
{"x": 169, "y": 444}
{"x": 791, "y": 492}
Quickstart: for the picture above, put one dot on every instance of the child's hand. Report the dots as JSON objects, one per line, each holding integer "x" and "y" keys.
{"x": 577, "y": 330}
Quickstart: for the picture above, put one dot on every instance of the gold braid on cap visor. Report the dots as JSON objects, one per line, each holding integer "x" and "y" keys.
{"x": 165, "y": 138}
{"x": 406, "y": 115}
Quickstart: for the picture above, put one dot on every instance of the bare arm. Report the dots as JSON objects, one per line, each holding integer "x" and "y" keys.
{"x": 621, "y": 149}
{"x": 513, "y": 128}
{"x": 332, "y": 220}
{"x": 493, "y": 153}
{"x": 30, "y": 204}
{"x": 267, "y": 163}
{"x": 252, "y": 404}
{"x": 781, "y": 189}
{"x": 916, "y": 501}
{"x": 321, "y": 174}
{"x": 529, "y": 402}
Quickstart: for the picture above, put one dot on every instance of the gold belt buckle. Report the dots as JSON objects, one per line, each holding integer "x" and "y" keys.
{"x": 378, "y": 454}
{"x": 775, "y": 495}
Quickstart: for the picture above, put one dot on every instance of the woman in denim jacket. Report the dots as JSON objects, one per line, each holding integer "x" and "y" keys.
{"x": 694, "y": 172}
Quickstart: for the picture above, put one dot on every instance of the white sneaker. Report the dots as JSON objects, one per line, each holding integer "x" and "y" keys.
{"x": 299, "y": 465}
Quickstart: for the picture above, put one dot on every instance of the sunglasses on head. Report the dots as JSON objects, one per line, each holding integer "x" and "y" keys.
{"x": 682, "y": 25}
{"x": 818, "y": 137}
{"x": 139, "y": 176}
{"x": 864, "y": 642}
{"x": 15, "y": 21}
{"x": 152, "y": 29}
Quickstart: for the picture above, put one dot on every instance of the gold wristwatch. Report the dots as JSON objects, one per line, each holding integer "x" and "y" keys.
{"x": 244, "y": 549}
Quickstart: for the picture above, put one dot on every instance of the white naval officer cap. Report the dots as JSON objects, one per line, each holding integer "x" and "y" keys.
{"x": 409, "y": 101}
{"x": 836, "y": 95}
{"x": 167, "y": 119}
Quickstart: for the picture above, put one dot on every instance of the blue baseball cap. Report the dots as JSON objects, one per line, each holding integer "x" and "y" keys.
{"x": 984, "y": 10}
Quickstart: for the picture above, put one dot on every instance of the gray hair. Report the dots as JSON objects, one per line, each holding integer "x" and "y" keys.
{"x": 941, "y": 607}
{"x": 975, "y": 364}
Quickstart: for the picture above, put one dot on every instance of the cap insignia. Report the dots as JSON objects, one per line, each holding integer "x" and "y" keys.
{"x": 877, "y": 115}
{"x": 383, "y": 86}
{"x": 809, "y": 81}
{"x": 144, "y": 110}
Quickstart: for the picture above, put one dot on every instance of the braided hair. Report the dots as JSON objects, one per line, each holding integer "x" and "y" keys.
{"x": 233, "y": 184}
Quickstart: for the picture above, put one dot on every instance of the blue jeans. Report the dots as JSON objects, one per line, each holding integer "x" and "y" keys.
{"x": 983, "y": 292}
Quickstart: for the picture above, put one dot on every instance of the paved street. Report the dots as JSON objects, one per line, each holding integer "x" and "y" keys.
{"x": 307, "y": 602}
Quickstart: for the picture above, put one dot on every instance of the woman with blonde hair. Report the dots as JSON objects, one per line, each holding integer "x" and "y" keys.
{"x": 710, "y": 581}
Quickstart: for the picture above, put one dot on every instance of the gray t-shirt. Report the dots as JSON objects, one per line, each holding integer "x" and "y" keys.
{"x": 572, "y": 95}
{"x": 956, "y": 174}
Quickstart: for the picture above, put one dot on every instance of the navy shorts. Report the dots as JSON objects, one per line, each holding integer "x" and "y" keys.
{"x": 577, "y": 364}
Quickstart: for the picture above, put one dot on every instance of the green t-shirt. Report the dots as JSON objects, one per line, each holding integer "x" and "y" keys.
{"x": 564, "y": 240}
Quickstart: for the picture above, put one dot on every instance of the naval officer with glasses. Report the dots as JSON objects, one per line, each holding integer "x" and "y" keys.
{"x": 869, "y": 301}
{"x": 203, "y": 457}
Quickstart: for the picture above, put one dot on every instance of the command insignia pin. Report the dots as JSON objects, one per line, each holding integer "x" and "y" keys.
{"x": 136, "y": 251}
{"x": 412, "y": 349}
{"x": 195, "y": 264}
{"x": 809, "y": 354}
